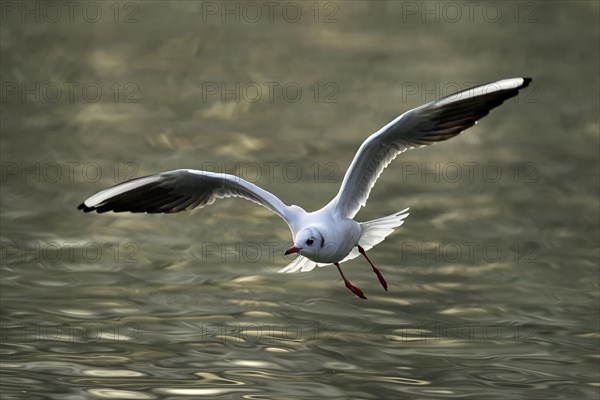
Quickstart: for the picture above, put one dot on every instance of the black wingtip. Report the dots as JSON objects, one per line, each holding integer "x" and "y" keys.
{"x": 85, "y": 208}
{"x": 526, "y": 82}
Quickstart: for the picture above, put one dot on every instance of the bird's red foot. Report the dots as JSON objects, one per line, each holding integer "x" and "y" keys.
{"x": 355, "y": 290}
{"x": 350, "y": 286}
{"x": 381, "y": 279}
{"x": 379, "y": 276}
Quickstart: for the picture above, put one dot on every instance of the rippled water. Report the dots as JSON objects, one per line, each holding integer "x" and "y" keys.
{"x": 493, "y": 278}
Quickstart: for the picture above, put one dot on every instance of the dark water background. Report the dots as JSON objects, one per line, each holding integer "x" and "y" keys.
{"x": 493, "y": 278}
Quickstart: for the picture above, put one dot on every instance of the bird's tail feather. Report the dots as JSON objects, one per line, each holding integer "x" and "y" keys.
{"x": 373, "y": 233}
{"x": 300, "y": 263}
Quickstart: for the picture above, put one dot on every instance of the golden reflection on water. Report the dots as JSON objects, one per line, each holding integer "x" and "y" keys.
{"x": 105, "y": 393}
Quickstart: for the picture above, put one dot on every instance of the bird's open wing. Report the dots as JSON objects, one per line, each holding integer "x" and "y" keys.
{"x": 422, "y": 126}
{"x": 179, "y": 190}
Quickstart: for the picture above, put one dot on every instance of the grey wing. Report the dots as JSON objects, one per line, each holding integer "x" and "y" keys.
{"x": 179, "y": 190}
{"x": 433, "y": 122}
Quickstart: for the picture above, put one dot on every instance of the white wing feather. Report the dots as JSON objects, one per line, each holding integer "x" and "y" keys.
{"x": 425, "y": 125}
{"x": 183, "y": 189}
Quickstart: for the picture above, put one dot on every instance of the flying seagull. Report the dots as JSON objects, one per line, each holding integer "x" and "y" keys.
{"x": 329, "y": 235}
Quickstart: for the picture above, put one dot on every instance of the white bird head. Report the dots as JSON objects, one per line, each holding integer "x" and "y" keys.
{"x": 309, "y": 242}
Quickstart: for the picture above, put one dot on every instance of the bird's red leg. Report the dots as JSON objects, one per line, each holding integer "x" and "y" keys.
{"x": 381, "y": 280}
{"x": 350, "y": 286}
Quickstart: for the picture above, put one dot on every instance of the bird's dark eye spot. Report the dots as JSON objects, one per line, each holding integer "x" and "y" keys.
{"x": 310, "y": 242}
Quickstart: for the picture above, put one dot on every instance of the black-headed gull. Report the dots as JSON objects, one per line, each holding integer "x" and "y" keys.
{"x": 329, "y": 235}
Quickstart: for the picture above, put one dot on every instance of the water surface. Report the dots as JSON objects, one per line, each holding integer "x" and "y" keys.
{"x": 493, "y": 278}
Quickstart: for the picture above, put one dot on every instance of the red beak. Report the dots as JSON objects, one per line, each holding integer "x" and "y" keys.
{"x": 291, "y": 250}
